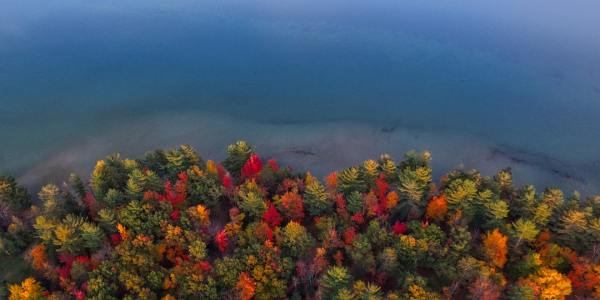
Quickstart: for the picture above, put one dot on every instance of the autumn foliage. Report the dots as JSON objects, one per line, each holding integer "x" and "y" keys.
{"x": 437, "y": 207}
{"x": 495, "y": 247}
{"x": 173, "y": 226}
{"x": 252, "y": 167}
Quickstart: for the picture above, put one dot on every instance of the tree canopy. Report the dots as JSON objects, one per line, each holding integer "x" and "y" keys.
{"x": 171, "y": 225}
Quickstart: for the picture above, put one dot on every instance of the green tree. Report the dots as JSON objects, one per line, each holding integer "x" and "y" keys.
{"x": 334, "y": 279}
{"x": 179, "y": 160}
{"x": 573, "y": 229}
{"x": 520, "y": 292}
{"x": 351, "y": 180}
{"x": 140, "y": 182}
{"x": 316, "y": 199}
{"x": 15, "y": 196}
{"x": 355, "y": 203}
{"x": 204, "y": 189}
{"x": 253, "y": 204}
{"x": 523, "y": 230}
{"x": 295, "y": 240}
{"x": 362, "y": 255}
{"x": 92, "y": 236}
{"x": 237, "y": 155}
{"x": 111, "y": 172}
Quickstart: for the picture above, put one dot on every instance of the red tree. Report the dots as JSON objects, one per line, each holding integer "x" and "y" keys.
{"x": 222, "y": 240}
{"x": 272, "y": 216}
{"x": 399, "y": 228}
{"x": 292, "y": 206}
{"x": 252, "y": 167}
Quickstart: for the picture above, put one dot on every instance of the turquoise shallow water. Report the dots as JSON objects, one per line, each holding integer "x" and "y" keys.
{"x": 481, "y": 85}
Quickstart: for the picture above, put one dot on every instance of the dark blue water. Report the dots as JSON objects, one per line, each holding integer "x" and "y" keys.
{"x": 483, "y": 85}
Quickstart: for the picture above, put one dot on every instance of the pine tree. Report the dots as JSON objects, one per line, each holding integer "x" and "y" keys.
{"x": 14, "y": 195}
{"x": 107, "y": 220}
{"x": 334, "y": 279}
{"x": 350, "y": 180}
{"x": 520, "y": 292}
{"x": 316, "y": 199}
{"x": 140, "y": 182}
{"x": 191, "y": 156}
{"x": 109, "y": 173}
{"x": 414, "y": 183}
{"x": 67, "y": 235}
{"x": 77, "y": 185}
{"x": 553, "y": 197}
{"x": 204, "y": 189}
{"x": 388, "y": 167}
{"x": 524, "y": 230}
{"x": 44, "y": 227}
{"x": 253, "y": 204}
{"x": 369, "y": 291}
{"x": 370, "y": 169}
{"x": 459, "y": 191}
{"x": 573, "y": 229}
{"x": 135, "y": 184}
{"x": 51, "y": 203}
{"x": 355, "y": 203}
{"x": 92, "y": 236}
{"x": 238, "y": 154}
{"x": 114, "y": 198}
{"x": 388, "y": 260}
{"x": 504, "y": 179}
{"x": 295, "y": 240}
{"x": 541, "y": 214}
{"x": 496, "y": 211}
{"x": 523, "y": 205}
{"x": 362, "y": 255}
{"x": 176, "y": 162}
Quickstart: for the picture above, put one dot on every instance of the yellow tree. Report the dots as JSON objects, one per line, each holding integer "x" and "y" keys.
{"x": 29, "y": 289}
{"x": 549, "y": 284}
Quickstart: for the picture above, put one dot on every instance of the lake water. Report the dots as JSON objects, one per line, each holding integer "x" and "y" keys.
{"x": 317, "y": 86}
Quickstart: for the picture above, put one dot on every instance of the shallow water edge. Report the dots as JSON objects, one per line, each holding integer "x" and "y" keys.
{"x": 318, "y": 147}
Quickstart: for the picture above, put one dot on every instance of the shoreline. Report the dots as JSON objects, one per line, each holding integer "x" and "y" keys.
{"x": 318, "y": 147}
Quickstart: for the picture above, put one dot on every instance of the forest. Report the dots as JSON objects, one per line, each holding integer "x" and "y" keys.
{"x": 172, "y": 225}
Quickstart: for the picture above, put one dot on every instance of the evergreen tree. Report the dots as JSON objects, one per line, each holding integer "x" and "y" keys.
{"x": 316, "y": 199}
{"x": 354, "y": 203}
{"x": 237, "y": 155}
{"x": 109, "y": 173}
{"x": 523, "y": 231}
{"x": 15, "y": 196}
{"x": 334, "y": 279}
{"x": 180, "y": 159}
{"x": 350, "y": 180}
{"x": 295, "y": 240}
{"x": 92, "y": 236}
{"x": 388, "y": 167}
{"x": 252, "y": 204}
{"x": 370, "y": 170}
{"x": 204, "y": 189}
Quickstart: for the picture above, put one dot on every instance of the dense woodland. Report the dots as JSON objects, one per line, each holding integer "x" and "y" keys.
{"x": 173, "y": 226}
